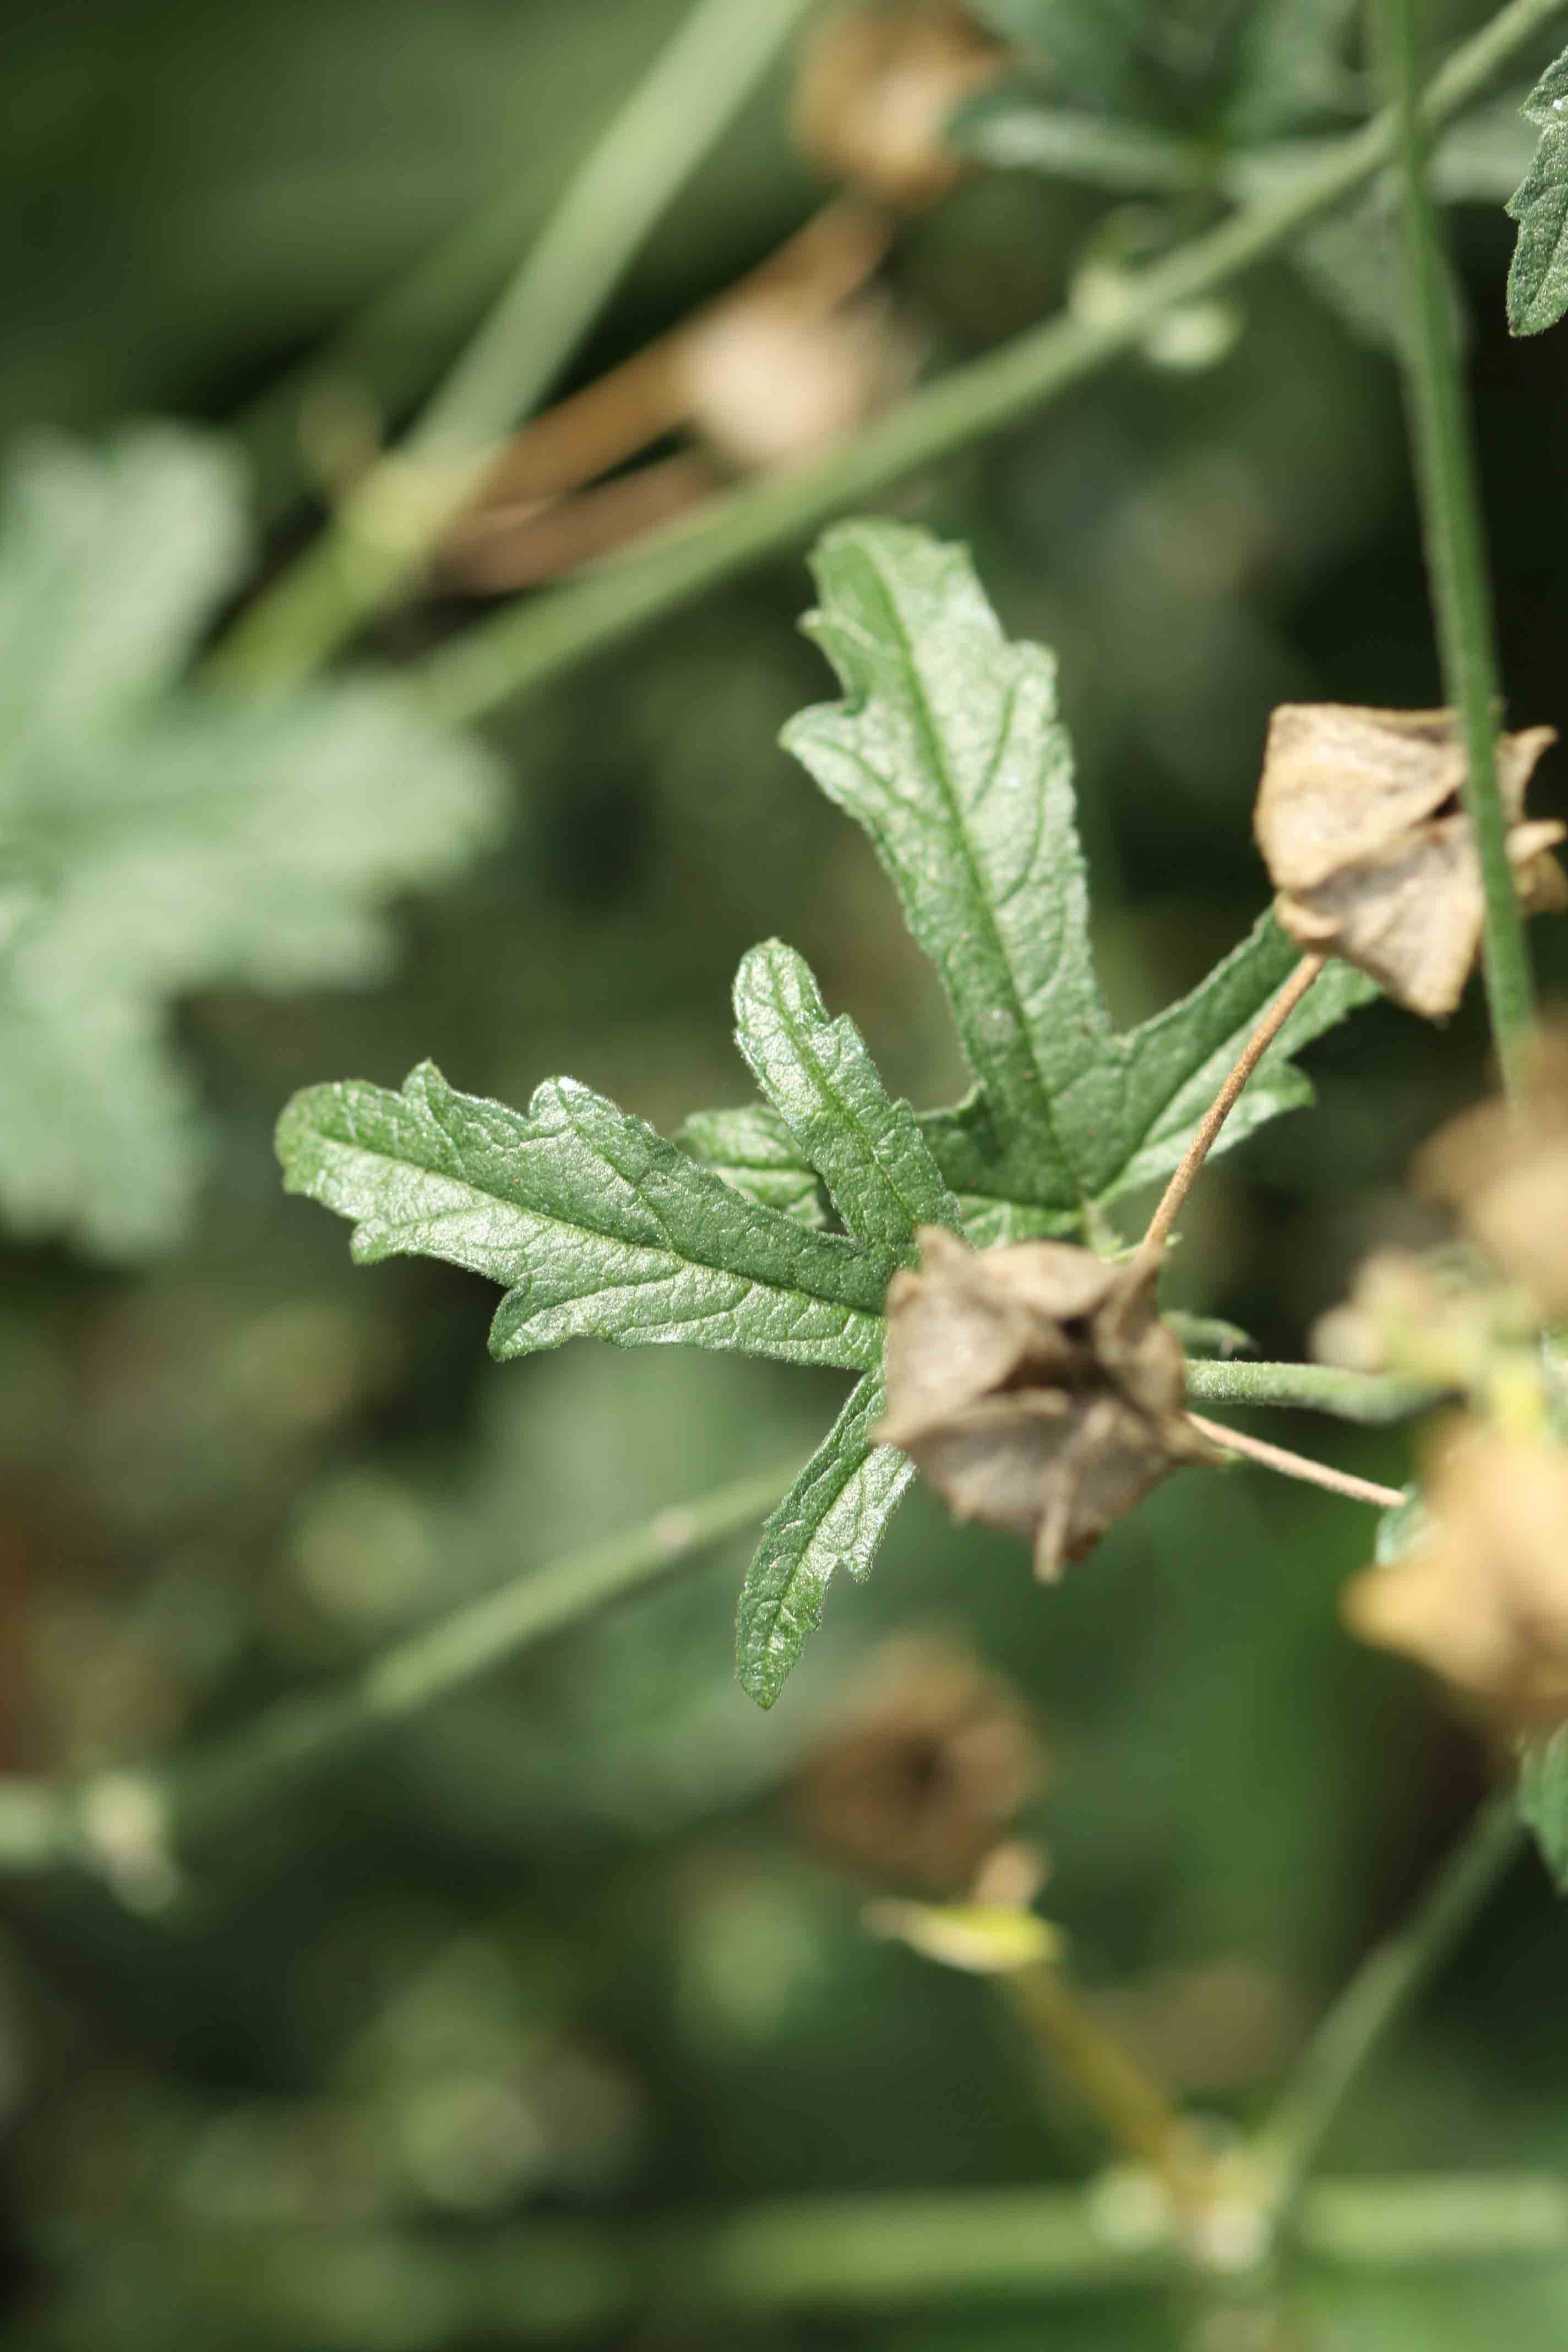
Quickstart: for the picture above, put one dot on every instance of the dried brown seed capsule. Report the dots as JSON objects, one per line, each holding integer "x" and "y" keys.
{"x": 1506, "y": 1174}
{"x": 874, "y": 90}
{"x": 1482, "y": 1597}
{"x": 924, "y": 1775}
{"x": 1361, "y": 828}
{"x": 770, "y": 381}
{"x": 1035, "y": 1388}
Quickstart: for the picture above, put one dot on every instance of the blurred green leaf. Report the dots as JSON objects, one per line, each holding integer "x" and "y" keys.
{"x": 157, "y": 841}
{"x": 823, "y": 1084}
{"x": 598, "y": 1227}
{"x": 1538, "y": 275}
{"x": 1543, "y": 1801}
{"x": 1290, "y": 66}
{"x": 835, "y": 1515}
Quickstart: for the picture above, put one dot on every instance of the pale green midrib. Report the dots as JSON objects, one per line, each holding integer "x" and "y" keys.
{"x": 982, "y": 898}
{"x": 377, "y": 1224}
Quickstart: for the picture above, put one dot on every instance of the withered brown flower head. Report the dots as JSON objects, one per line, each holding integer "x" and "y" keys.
{"x": 874, "y": 89}
{"x": 770, "y": 381}
{"x": 1372, "y": 855}
{"x": 1035, "y": 1388}
{"x": 924, "y": 1776}
{"x": 1482, "y": 1598}
{"x": 1505, "y": 1171}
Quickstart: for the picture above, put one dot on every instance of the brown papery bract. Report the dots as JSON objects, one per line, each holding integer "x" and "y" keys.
{"x": 1035, "y": 1388}
{"x": 874, "y": 89}
{"x": 1504, "y": 1170}
{"x": 1360, "y": 821}
{"x": 919, "y": 1784}
{"x": 1481, "y": 1596}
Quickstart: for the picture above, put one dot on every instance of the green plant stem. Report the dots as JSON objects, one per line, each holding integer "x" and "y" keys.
{"x": 1135, "y": 2111}
{"x": 1383, "y": 1990}
{"x": 391, "y": 350}
{"x": 291, "y": 1741}
{"x": 537, "y": 638}
{"x": 393, "y": 518}
{"x": 1454, "y": 535}
{"x": 1369, "y": 1397}
{"x": 554, "y": 2280}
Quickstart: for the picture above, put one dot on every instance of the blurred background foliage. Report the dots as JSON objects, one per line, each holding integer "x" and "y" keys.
{"x": 553, "y": 1950}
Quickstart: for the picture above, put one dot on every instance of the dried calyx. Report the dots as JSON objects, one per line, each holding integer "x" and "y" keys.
{"x": 1482, "y": 1596}
{"x": 918, "y": 1786}
{"x": 1035, "y": 1388}
{"x": 1504, "y": 1170}
{"x": 1371, "y": 852}
{"x": 1435, "y": 1316}
{"x": 875, "y": 89}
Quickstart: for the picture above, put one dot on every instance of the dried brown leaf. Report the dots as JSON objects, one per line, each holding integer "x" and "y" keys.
{"x": 1361, "y": 825}
{"x": 1035, "y": 1388}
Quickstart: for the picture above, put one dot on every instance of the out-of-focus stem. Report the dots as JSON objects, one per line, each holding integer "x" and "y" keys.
{"x": 402, "y": 507}
{"x": 1454, "y": 535}
{"x": 538, "y": 638}
{"x": 1380, "y": 1993}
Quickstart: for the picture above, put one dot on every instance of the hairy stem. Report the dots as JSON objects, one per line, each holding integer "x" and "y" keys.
{"x": 1380, "y": 1993}
{"x": 1371, "y": 1397}
{"x": 1296, "y": 1465}
{"x": 525, "y": 644}
{"x": 1152, "y": 1249}
{"x": 398, "y": 512}
{"x": 1454, "y": 535}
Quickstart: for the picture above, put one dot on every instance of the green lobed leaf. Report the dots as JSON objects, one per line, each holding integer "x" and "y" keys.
{"x": 823, "y": 1084}
{"x": 1543, "y": 1801}
{"x": 598, "y": 1226}
{"x": 949, "y": 751}
{"x": 1174, "y": 1063}
{"x": 835, "y": 1515}
{"x": 751, "y": 1148}
{"x": 157, "y": 840}
{"x": 1538, "y": 274}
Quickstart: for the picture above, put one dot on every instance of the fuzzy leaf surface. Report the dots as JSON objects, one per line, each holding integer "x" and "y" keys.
{"x": 596, "y": 1225}
{"x": 1538, "y": 274}
{"x": 948, "y": 750}
{"x": 158, "y": 840}
{"x": 751, "y": 1148}
{"x": 834, "y": 1516}
{"x": 823, "y": 1084}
